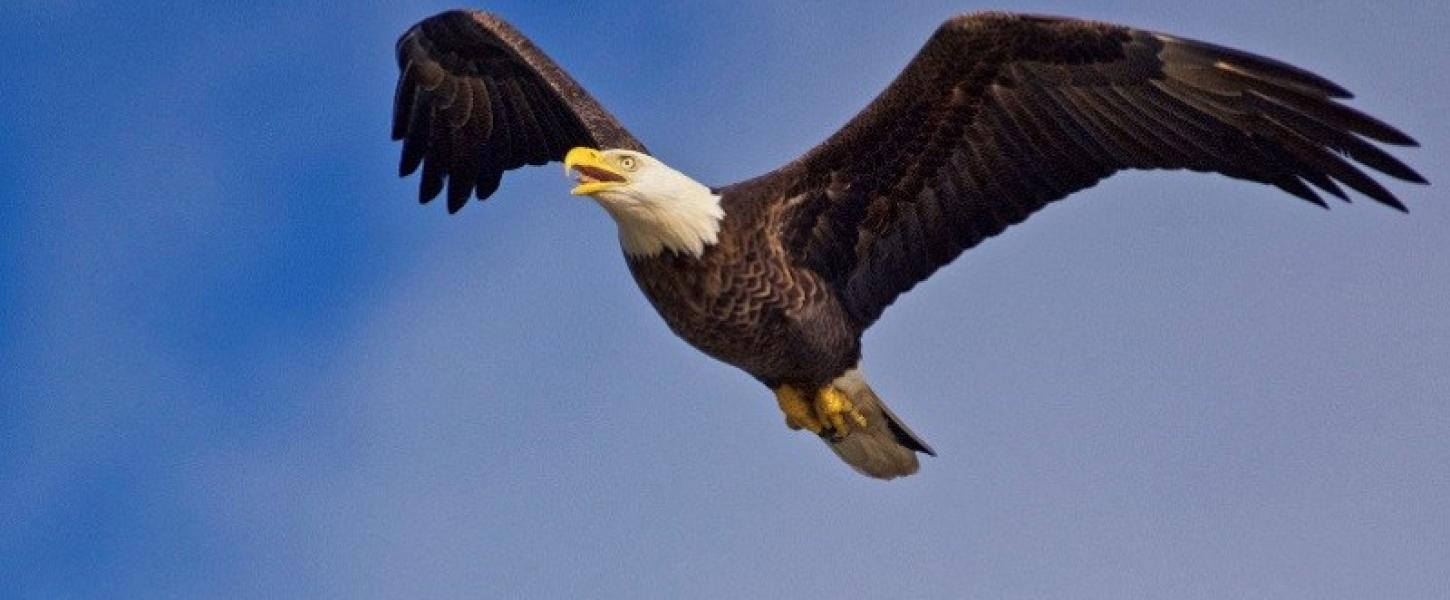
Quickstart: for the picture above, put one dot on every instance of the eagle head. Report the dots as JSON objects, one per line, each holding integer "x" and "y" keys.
{"x": 656, "y": 207}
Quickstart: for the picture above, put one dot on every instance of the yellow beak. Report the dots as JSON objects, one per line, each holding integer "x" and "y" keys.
{"x": 596, "y": 173}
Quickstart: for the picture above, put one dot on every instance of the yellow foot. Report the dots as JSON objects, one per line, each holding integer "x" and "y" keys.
{"x": 835, "y": 411}
{"x": 798, "y": 413}
{"x": 830, "y": 413}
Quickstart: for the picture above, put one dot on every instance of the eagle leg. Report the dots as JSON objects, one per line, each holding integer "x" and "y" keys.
{"x": 798, "y": 412}
{"x": 835, "y": 411}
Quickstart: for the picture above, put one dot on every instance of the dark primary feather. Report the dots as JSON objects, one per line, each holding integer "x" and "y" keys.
{"x": 475, "y": 98}
{"x": 1000, "y": 114}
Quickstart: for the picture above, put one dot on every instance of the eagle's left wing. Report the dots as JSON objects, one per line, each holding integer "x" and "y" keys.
{"x": 1000, "y": 114}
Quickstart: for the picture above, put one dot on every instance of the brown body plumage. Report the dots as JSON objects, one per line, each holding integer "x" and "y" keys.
{"x": 997, "y": 116}
{"x": 748, "y": 302}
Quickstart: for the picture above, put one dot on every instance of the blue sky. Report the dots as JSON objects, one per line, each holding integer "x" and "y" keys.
{"x": 240, "y": 361}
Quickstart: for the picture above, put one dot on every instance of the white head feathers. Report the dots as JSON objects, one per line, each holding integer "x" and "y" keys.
{"x": 656, "y": 207}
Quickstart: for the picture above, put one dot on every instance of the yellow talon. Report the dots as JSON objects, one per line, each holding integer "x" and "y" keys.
{"x": 798, "y": 414}
{"x": 831, "y": 413}
{"x": 834, "y": 408}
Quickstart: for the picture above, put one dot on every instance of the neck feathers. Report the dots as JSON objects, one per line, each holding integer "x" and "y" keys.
{"x": 685, "y": 222}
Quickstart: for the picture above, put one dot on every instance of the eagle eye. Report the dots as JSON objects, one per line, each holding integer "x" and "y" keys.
{"x": 628, "y": 163}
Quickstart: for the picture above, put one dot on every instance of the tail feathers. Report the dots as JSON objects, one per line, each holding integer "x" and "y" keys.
{"x": 886, "y": 448}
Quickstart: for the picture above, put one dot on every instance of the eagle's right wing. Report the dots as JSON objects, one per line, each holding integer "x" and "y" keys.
{"x": 476, "y": 98}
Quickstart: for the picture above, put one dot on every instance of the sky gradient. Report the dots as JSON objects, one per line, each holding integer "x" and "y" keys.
{"x": 239, "y": 361}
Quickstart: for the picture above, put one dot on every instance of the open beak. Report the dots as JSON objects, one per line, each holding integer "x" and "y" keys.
{"x": 595, "y": 173}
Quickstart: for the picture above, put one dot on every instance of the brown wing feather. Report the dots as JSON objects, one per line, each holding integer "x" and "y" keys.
{"x": 1000, "y": 114}
{"x": 476, "y": 98}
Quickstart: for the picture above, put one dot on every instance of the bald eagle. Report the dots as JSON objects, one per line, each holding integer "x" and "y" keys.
{"x": 998, "y": 115}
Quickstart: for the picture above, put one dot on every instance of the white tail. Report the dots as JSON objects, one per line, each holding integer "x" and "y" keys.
{"x": 886, "y": 448}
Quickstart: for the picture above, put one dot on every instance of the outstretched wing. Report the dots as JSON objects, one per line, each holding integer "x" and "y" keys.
{"x": 476, "y": 98}
{"x": 1000, "y": 114}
